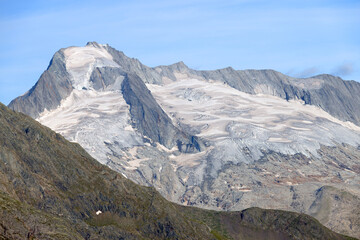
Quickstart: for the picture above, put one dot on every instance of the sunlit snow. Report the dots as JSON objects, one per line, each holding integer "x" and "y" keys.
{"x": 234, "y": 120}
{"x": 81, "y": 61}
{"x": 98, "y": 121}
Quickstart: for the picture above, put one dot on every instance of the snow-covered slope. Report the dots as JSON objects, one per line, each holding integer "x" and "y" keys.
{"x": 94, "y": 120}
{"x": 237, "y": 120}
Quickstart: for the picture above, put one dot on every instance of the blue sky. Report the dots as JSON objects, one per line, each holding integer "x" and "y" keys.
{"x": 300, "y": 38}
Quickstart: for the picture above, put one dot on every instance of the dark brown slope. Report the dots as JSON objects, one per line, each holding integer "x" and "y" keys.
{"x": 51, "y": 189}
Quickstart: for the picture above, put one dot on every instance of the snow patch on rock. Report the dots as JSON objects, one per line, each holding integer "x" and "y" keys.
{"x": 81, "y": 62}
{"x": 99, "y": 121}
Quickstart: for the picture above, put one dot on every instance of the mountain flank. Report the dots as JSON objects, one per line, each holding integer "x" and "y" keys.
{"x": 52, "y": 189}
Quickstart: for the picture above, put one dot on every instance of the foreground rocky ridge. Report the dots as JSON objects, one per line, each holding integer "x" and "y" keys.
{"x": 52, "y": 189}
{"x": 256, "y": 138}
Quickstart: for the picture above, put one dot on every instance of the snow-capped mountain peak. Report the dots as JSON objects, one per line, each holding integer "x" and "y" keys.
{"x": 223, "y": 139}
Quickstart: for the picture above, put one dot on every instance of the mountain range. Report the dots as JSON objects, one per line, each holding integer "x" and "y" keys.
{"x": 222, "y": 139}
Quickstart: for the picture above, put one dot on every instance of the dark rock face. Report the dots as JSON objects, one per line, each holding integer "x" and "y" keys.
{"x": 53, "y": 86}
{"x": 339, "y": 98}
{"x": 107, "y": 78}
{"x": 149, "y": 118}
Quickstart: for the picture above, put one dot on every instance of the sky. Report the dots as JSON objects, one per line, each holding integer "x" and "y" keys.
{"x": 300, "y": 38}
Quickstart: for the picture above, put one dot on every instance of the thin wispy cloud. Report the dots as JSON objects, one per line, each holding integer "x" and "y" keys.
{"x": 308, "y": 72}
{"x": 344, "y": 69}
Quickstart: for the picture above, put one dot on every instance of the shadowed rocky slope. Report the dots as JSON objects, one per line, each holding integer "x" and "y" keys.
{"x": 51, "y": 189}
{"x": 148, "y": 117}
{"x": 53, "y": 86}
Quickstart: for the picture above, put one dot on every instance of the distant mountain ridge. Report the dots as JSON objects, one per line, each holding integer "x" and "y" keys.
{"x": 338, "y": 97}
